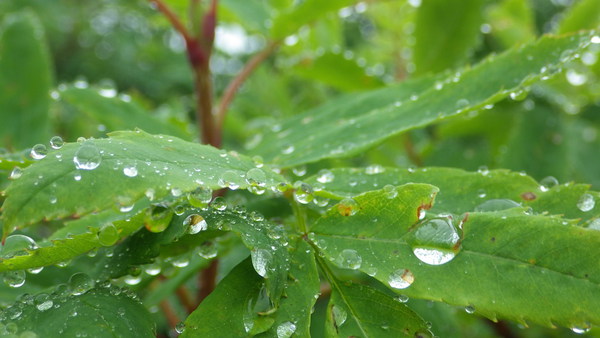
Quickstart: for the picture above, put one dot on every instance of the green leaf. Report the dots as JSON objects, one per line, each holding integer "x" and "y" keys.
{"x": 336, "y": 70}
{"x": 363, "y": 120}
{"x": 512, "y": 22}
{"x": 509, "y": 264}
{"x": 356, "y": 310}
{"x": 301, "y": 292}
{"x": 446, "y": 32}
{"x": 25, "y": 82}
{"x": 305, "y": 13}
{"x": 585, "y": 14}
{"x": 236, "y": 297}
{"x": 253, "y": 13}
{"x": 462, "y": 191}
{"x": 100, "y": 312}
{"x": 95, "y": 106}
{"x": 64, "y": 249}
{"x": 164, "y": 166}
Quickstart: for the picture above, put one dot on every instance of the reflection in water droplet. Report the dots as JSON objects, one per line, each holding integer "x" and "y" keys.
{"x": 56, "y": 142}
{"x": 433, "y": 256}
{"x": 286, "y": 330}
{"x": 261, "y": 259}
{"x": 496, "y": 205}
{"x": 39, "y": 151}
{"x": 303, "y": 193}
{"x": 87, "y": 157}
{"x": 348, "y": 207}
{"x": 200, "y": 197}
{"x": 586, "y": 202}
{"x": 230, "y": 179}
{"x": 16, "y": 173}
{"x": 80, "y": 283}
{"x": 195, "y": 223}
{"x": 470, "y": 309}
{"x": 401, "y": 279}
{"x": 547, "y": 183}
{"x": 339, "y": 315}
{"x": 349, "y": 259}
{"x": 435, "y": 241}
{"x": 43, "y": 302}
{"x": 17, "y": 245}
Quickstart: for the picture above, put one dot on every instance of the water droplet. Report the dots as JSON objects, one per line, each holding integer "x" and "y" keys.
{"x": 303, "y": 193}
{"x": 580, "y": 330}
{"x": 261, "y": 259}
{"x": 87, "y": 157}
{"x": 180, "y": 327}
{"x": 483, "y": 170}
{"x": 481, "y": 193}
{"x": 401, "y": 279}
{"x": 349, "y": 259}
{"x": 39, "y": 151}
{"x": 176, "y": 192}
{"x": 195, "y": 223}
{"x": 208, "y": 250}
{"x": 16, "y": 173}
{"x": 287, "y": 149}
{"x": 56, "y": 142}
{"x": 435, "y": 241}
{"x": 374, "y": 169}
{"x": 77, "y": 177}
{"x": 496, "y": 205}
{"x": 80, "y": 283}
{"x": 42, "y": 302}
{"x": 547, "y": 183}
{"x": 339, "y": 315}
{"x": 321, "y": 201}
{"x": 519, "y": 95}
{"x": 325, "y": 176}
{"x": 17, "y": 245}
{"x": 14, "y": 279}
{"x": 348, "y": 207}
{"x": 402, "y": 298}
{"x": 229, "y": 179}
{"x": 108, "y": 235}
{"x": 595, "y": 39}
{"x": 469, "y": 309}
{"x": 286, "y": 330}
{"x": 586, "y": 202}
{"x": 390, "y": 191}
{"x": 158, "y": 218}
{"x": 130, "y": 171}
{"x": 219, "y": 203}
{"x": 576, "y": 78}
{"x": 299, "y": 170}
{"x": 152, "y": 269}
{"x": 200, "y": 197}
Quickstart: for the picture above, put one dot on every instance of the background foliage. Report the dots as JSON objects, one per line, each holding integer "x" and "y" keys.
{"x": 393, "y": 88}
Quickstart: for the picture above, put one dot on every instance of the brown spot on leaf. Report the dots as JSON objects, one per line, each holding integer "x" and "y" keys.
{"x": 528, "y": 196}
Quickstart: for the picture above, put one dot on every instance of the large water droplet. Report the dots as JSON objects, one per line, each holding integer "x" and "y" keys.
{"x": 39, "y": 151}
{"x": 158, "y": 218}
{"x": 80, "y": 283}
{"x": 586, "y": 202}
{"x": 349, "y": 259}
{"x": 43, "y": 302}
{"x": 547, "y": 183}
{"x": 87, "y": 157}
{"x": 219, "y": 203}
{"x": 374, "y": 169}
{"x": 17, "y": 245}
{"x": 108, "y": 235}
{"x": 14, "y": 279}
{"x": 208, "y": 250}
{"x": 130, "y": 171}
{"x": 348, "y": 207}
{"x": 180, "y": 327}
{"x": 339, "y": 315}
{"x": 435, "y": 241}
{"x": 497, "y": 205}
{"x": 261, "y": 259}
{"x": 195, "y": 223}
{"x": 401, "y": 279}
{"x": 16, "y": 173}
{"x": 286, "y": 330}
{"x": 200, "y": 197}
{"x": 56, "y": 142}
{"x": 299, "y": 170}
{"x": 229, "y": 179}
{"x": 303, "y": 193}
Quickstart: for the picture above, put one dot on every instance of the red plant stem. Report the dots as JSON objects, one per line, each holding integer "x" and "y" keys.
{"x": 185, "y": 298}
{"x": 172, "y": 318}
{"x": 237, "y": 82}
{"x": 208, "y": 280}
{"x": 175, "y": 22}
{"x": 210, "y": 133}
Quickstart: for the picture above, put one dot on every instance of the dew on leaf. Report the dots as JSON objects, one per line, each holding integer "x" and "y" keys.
{"x": 180, "y": 327}
{"x": 256, "y": 177}
{"x": 229, "y": 179}
{"x": 519, "y": 95}
{"x": 374, "y": 169}
{"x": 435, "y": 241}
{"x": 219, "y": 203}
{"x": 14, "y": 279}
{"x": 157, "y": 218}
{"x": 325, "y": 176}
{"x": 483, "y": 170}
{"x": 575, "y": 78}
{"x": 286, "y": 330}
{"x": 580, "y": 330}
{"x": 16, "y": 173}
{"x": 469, "y": 309}
{"x": 321, "y": 201}
{"x": 548, "y": 183}
{"x": 152, "y": 269}
{"x": 80, "y": 283}
{"x": 39, "y": 151}
{"x": 43, "y": 302}
{"x": 348, "y": 207}
{"x": 390, "y": 191}
{"x": 496, "y": 205}
{"x": 339, "y": 315}
{"x": 401, "y": 279}
{"x": 287, "y": 149}
{"x": 108, "y": 235}
{"x": 130, "y": 171}
{"x": 56, "y": 142}
{"x": 586, "y": 202}
{"x": 261, "y": 260}
{"x": 17, "y": 245}
{"x": 200, "y": 197}
{"x": 195, "y": 223}
{"x": 303, "y": 193}
{"x": 87, "y": 157}
{"x": 402, "y": 298}
{"x": 299, "y": 170}
{"x": 208, "y": 250}
{"x": 349, "y": 259}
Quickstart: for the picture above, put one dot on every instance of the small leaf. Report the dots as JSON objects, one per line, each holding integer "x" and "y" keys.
{"x": 100, "y": 312}
{"x": 506, "y": 264}
{"x": 358, "y": 122}
{"x": 356, "y": 310}
{"x": 236, "y": 299}
{"x": 121, "y": 170}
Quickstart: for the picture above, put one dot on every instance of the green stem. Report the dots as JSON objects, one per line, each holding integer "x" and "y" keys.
{"x": 300, "y": 214}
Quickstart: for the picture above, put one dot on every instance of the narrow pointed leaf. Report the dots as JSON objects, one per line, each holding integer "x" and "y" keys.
{"x": 356, "y": 310}
{"x": 100, "y": 312}
{"x": 163, "y": 166}
{"x": 463, "y": 191}
{"x": 234, "y": 297}
{"x": 510, "y": 265}
{"x": 366, "y": 119}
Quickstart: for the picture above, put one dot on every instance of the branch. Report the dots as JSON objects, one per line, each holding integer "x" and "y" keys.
{"x": 175, "y": 22}
{"x": 237, "y": 82}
